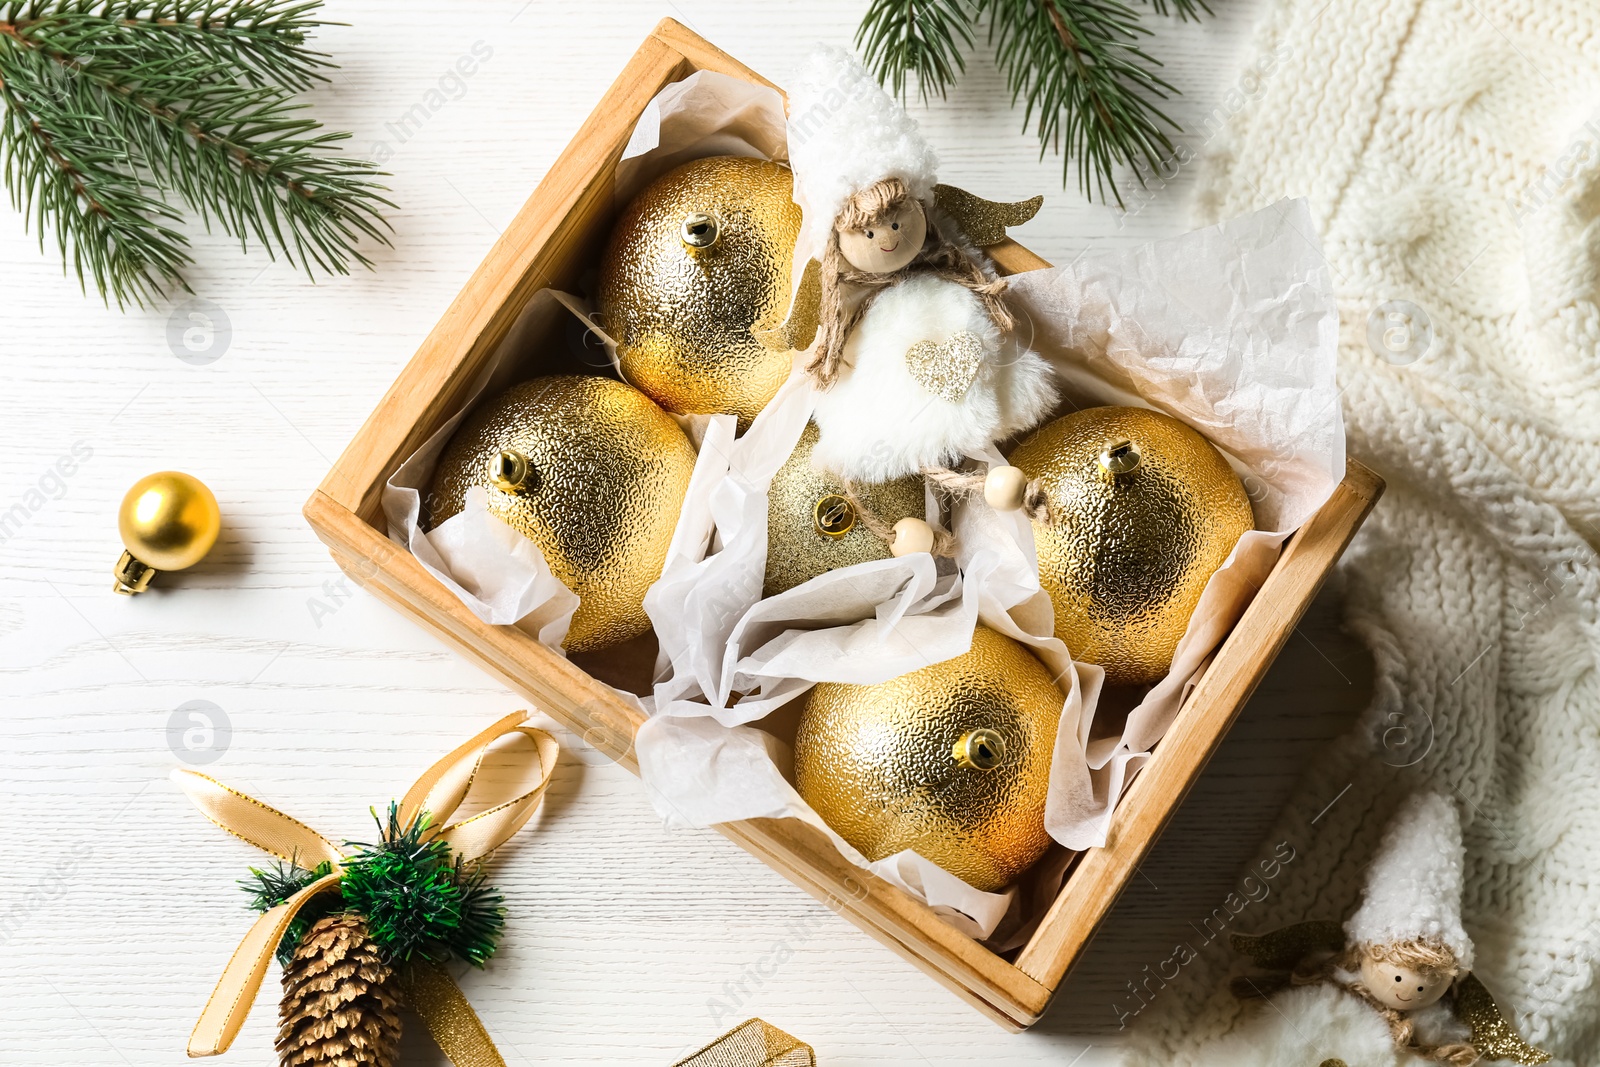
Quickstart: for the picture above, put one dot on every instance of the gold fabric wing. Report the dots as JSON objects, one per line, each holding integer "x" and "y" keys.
{"x": 984, "y": 221}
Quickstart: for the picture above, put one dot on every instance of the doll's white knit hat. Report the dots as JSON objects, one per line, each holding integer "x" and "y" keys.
{"x": 846, "y": 133}
{"x": 1414, "y": 882}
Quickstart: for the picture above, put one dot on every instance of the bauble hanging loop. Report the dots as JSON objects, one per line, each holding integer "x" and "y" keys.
{"x": 168, "y": 521}
{"x": 510, "y": 471}
{"x": 700, "y": 229}
{"x": 1120, "y": 458}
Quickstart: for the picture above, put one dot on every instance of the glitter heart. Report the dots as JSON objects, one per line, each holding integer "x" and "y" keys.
{"x": 946, "y": 368}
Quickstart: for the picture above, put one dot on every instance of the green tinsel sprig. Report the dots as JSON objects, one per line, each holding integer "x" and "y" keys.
{"x": 419, "y": 901}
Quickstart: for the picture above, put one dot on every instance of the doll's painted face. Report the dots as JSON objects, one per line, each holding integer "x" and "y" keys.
{"x": 887, "y": 244}
{"x": 1401, "y": 988}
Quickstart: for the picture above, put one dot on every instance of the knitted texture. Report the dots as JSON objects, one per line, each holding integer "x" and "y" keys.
{"x": 1413, "y": 886}
{"x": 1446, "y": 151}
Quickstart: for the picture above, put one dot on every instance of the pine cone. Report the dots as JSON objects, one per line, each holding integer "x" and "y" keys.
{"x": 341, "y": 1005}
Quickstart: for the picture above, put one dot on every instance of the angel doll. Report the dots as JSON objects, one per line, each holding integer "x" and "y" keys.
{"x": 1394, "y": 984}
{"x": 911, "y": 362}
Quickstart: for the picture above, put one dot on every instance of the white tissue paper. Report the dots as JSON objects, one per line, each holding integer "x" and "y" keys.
{"x": 730, "y": 658}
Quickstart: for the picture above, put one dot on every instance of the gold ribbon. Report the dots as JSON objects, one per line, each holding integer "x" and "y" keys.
{"x": 440, "y": 791}
{"x": 753, "y": 1043}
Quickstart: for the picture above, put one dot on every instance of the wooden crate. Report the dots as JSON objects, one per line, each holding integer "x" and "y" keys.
{"x": 553, "y": 239}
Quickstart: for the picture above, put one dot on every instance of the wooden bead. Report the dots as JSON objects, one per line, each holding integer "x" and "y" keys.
{"x": 1005, "y": 488}
{"x": 911, "y": 535}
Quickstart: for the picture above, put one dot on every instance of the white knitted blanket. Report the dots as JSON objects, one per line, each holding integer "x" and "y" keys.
{"x": 1450, "y": 150}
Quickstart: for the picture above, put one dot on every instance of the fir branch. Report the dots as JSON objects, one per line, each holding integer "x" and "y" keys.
{"x": 261, "y": 42}
{"x": 921, "y": 37}
{"x": 195, "y": 100}
{"x": 417, "y": 897}
{"x": 63, "y": 176}
{"x": 1075, "y": 65}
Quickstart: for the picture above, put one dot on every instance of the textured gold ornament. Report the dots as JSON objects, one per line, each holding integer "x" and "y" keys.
{"x": 1146, "y": 511}
{"x": 813, "y": 528}
{"x": 952, "y": 760}
{"x": 697, "y": 261}
{"x": 589, "y": 470}
{"x": 168, "y": 521}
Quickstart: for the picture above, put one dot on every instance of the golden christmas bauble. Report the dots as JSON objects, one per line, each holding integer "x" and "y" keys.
{"x": 589, "y": 470}
{"x": 1146, "y": 511}
{"x": 168, "y": 521}
{"x": 812, "y": 527}
{"x": 697, "y": 260}
{"x": 951, "y": 761}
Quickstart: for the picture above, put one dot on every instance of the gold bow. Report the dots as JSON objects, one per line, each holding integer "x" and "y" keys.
{"x": 753, "y": 1043}
{"x": 432, "y": 992}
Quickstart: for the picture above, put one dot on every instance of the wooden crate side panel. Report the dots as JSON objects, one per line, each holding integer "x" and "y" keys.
{"x": 584, "y": 705}
{"x": 791, "y": 845}
{"x": 1216, "y": 701}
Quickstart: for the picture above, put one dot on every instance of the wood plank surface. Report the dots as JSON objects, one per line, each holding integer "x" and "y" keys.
{"x": 629, "y": 941}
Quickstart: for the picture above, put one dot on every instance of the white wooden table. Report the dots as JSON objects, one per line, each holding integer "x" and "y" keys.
{"x": 627, "y": 943}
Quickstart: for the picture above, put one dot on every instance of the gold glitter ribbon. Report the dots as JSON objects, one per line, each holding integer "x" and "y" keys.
{"x": 455, "y": 1027}
{"x": 753, "y": 1043}
{"x": 507, "y": 806}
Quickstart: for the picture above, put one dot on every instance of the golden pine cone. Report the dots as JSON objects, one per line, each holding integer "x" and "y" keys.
{"x": 341, "y": 1005}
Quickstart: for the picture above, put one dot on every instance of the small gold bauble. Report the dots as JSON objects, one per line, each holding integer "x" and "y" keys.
{"x": 168, "y": 521}
{"x": 697, "y": 260}
{"x": 590, "y": 471}
{"x": 1146, "y": 511}
{"x": 951, "y": 761}
{"x": 813, "y": 528}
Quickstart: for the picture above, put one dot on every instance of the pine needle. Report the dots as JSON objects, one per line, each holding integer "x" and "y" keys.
{"x": 1184, "y": 9}
{"x": 921, "y": 37}
{"x": 270, "y": 886}
{"x": 1075, "y": 65}
{"x": 114, "y": 111}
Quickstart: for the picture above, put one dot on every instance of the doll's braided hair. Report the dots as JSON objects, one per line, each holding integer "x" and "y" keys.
{"x": 939, "y": 256}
